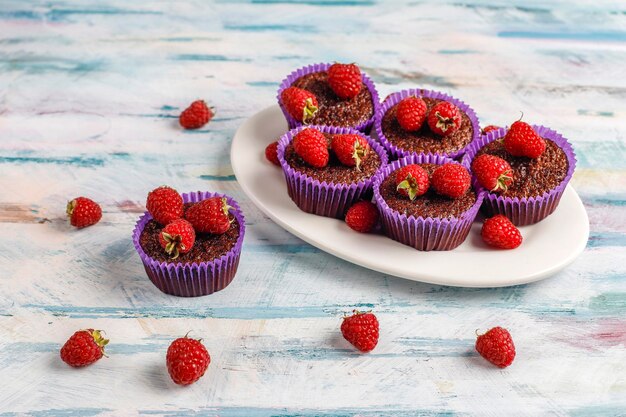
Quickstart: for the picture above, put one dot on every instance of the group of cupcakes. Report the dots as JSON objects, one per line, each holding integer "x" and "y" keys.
{"x": 428, "y": 172}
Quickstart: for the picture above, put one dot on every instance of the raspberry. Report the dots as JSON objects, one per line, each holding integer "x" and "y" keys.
{"x": 493, "y": 173}
{"x": 362, "y": 216}
{"x": 345, "y": 80}
{"x": 311, "y": 145}
{"x": 489, "y": 128}
{"x": 177, "y": 237}
{"x": 411, "y": 113}
{"x": 412, "y": 181}
{"x": 451, "y": 180}
{"x": 350, "y": 149}
{"x": 164, "y": 204}
{"x": 300, "y": 104}
{"x": 361, "y": 330}
{"x": 210, "y": 216}
{"x": 187, "y": 360}
{"x": 500, "y": 232}
{"x": 196, "y": 115}
{"x": 83, "y": 212}
{"x": 271, "y": 154}
{"x": 444, "y": 118}
{"x": 497, "y": 347}
{"x": 83, "y": 348}
{"x": 522, "y": 140}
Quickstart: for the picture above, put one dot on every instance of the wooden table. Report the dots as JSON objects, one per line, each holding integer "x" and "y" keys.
{"x": 89, "y": 98}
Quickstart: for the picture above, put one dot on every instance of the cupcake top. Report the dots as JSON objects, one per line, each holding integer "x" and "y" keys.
{"x": 430, "y": 203}
{"x": 207, "y": 247}
{"x": 335, "y": 95}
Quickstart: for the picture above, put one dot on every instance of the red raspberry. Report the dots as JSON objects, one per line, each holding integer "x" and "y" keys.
{"x": 361, "y": 330}
{"x": 210, "y": 216}
{"x": 311, "y": 145}
{"x": 451, "y": 180}
{"x": 362, "y": 216}
{"x": 271, "y": 153}
{"x": 493, "y": 173}
{"x": 345, "y": 80}
{"x": 83, "y": 212}
{"x": 500, "y": 232}
{"x": 489, "y": 128}
{"x": 164, "y": 204}
{"x": 300, "y": 104}
{"x": 522, "y": 140}
{"x": 83, "y": 348}
{"x": 411, "y": 113}
{"x": 444, "y": 118}
{"x": 177, "y": 237}
{"x": 196, "y": 115}
{"x": 497, "y": 347}
{"x": 187, "y": 360}
{"x": 350, "y": 149}
{"x": 412, "y": 181}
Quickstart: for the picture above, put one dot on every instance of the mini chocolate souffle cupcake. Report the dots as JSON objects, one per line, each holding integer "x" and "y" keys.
{"x": 330, "y": 187}
{"x": 330, "y": 109}
{"x": 401, "y": 142}
{"x": 430, "y": 220}
{"x": 208, "y": 266}
{"x": 538, "y": 182}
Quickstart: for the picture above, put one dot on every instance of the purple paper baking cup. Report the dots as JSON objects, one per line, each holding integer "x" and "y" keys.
{"x": 527, "y": 210}
{"x": 193, "y": 279}
{"x": 424, "y": 234}
{"x": 322, "y": 198}
{"x": 395, "y": 98}
{"x": 310, "y": 69}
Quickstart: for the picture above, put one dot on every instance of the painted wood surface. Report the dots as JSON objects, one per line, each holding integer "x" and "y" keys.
{"x": 89, "y": 95}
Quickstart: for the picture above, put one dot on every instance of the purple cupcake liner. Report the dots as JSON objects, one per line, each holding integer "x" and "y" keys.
{"x": 424, "y": 234}
{"x": 322, "y": 198}
{"x": 526, "y": 210}
{"x": 310, "y": 69}
{"x": 193, "y": 279}
{"x": 395, "y": 98}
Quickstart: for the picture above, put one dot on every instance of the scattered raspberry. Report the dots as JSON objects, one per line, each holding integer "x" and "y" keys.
{"x": 311, "y": 145}
{"x": 187, "y": 360}
{"x": 271, "y": 154}
{"x": 489, "y": 128}
{"x": 412, "y": 181}
{"x": 350, "y": 149}
{"x": 177, "y": 237}
{"x": 444, "y": 118}
{"x": 361, "y": 330}
{"x": 164, "y": 204}
{"x": 522, "y": 140}
{"x": 83, "y": 212}
{"x": 300, "y": 104}
{"x": 451, "y": 180}
{"x": 345, "y": 80}
{"x": 83, "y": 348}
{"x": 210, "y": 216}
{"x": 362, "y": 216}
{"x": 411, "y": 113}
{"x": 196, "y": 115}
{"x": 499, "y": 232}
{"x": 493, "y": 173}
{"x": 497, "y": 347}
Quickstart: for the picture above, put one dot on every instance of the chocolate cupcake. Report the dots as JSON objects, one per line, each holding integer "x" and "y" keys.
{"x": 357, "y": 112}
{"x": 208, "y": 267}
{"x": 331, "y": 190}
{"x": 538, "y": 183}
{"x": 430, "y": 221}
{"x": 400, "y": 142}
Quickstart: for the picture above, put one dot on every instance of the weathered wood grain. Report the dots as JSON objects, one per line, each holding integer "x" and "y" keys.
{"x": 89, "y": 98}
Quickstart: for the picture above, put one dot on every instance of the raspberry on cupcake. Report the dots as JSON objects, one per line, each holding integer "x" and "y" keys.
{"x": 339, "y": 95}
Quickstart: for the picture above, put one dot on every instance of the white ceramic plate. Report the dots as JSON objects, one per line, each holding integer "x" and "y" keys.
{"x": 548, "y": 246}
